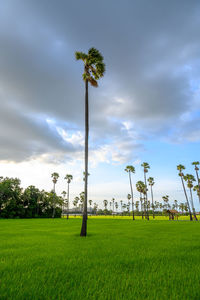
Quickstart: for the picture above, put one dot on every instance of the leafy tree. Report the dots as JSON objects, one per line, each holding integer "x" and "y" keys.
{"x": 31, "y": 198}
{"x": 11, "y": 204}
{"x": 129, "y": 170}
{"x": 94, "y": 69}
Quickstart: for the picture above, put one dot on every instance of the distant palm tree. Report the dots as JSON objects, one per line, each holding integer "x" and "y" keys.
{"x": 113, "y": 201}
{"x": 182, "y": 207}
{"x": 190, "y": 179}
{"x": 105, "y": 203}
{"x": 141, "y": 188}
{"x": 146, "y": 166}
{"x": 129, "y": 198}
{"x": 75, "y": 202}
{"x": 90, "y": 202}
{"x": 166, "y": 203}
{"x": 123, "y": 207}
{"x": 129, "y": 170}
{"x": 94, "y": 69}
{"x": 95, "y": 208}
{"x": 151, "y": 183}
{"x": 69, "y": 178}
{"x": 180, "y": 168}
{"x": 137, "y": 203}
{"x": 55, "y": 177}
{"x": 116, "y": 206}
{"x": 196, "y": 163}
{"x": 121, "y": 202}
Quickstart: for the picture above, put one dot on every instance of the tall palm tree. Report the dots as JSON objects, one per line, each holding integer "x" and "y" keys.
{"x": 151, "y": 183}
{"x": 55, "y": 177}
{"x": 129, "y": 170}
{"x": 196, "y": 163}
{"x": 180, "y": 168}
{"x": 69, "y": 178}
{"x": 94, "y": 69}
{"x": 189, "y": 178}
{"x": 146, "y": 166}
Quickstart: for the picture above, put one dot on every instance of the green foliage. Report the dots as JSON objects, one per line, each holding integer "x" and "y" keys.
{"x": 94, "y": 65}
{"x": 32, "y": 203}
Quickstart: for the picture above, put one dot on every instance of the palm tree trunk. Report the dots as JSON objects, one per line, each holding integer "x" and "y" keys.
{"x": 131, "y": 193}
{"x": 192, "y": 203}
{"x": 68, "y": 201}
{"x": 147, "y": 212}
{"x": 53, "y": 215}
{"x": 152, "y": 201}
{"x": 186, "y": 199}
{"x": 84, "y": 221}
{"x": 198, "y": 184}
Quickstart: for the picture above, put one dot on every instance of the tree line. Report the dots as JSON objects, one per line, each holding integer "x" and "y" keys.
{"x": 28, "y": 203}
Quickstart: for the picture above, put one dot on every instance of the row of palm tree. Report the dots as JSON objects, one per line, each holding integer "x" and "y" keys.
{"x": 55, "y": 177}
{"x": 157, "y": 206}
{"x": 190, "y": 179}
{"x": 141, "y": 188}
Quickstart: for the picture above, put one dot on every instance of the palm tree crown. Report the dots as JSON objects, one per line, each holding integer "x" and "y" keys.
{"x": 94, "y": 66}
{"x": 69, "y": 178}
{"x": 146, "y": 166}
{"x": 130, "y": 169}
{"x": 55, "y": 177}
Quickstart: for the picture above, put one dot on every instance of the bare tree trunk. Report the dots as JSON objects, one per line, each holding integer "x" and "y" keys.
{"x": 192, "y": 203}
{"x": 84, "y": 221}
{"x": 152, "y": 202}
{"x": 53, "y": 215}
{"x": 198, "y": 184}
{"x": 68, "y": 201}
{"x": 131, "y": 193}
{"x": 186, "y": 199}
{"x": 147, "y": 212}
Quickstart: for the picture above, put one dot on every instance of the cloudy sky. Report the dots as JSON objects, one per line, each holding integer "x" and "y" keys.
{"x": 146, "y": 108}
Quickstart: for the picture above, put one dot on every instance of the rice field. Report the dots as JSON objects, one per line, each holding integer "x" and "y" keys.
{"x": 119, "y": 259}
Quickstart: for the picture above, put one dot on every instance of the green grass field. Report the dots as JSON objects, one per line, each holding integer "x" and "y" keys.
{"x": 120, "y": 259}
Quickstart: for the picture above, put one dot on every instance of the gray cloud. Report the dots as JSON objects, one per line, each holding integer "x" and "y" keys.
{"x": 151, "y": 50}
